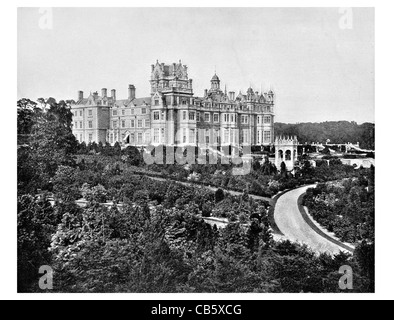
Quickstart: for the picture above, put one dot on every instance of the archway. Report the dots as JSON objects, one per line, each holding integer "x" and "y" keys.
{"x": 288, "y": 155}
{"x": 281, "y": 155}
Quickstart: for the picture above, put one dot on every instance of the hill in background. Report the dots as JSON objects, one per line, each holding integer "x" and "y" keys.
{"x": 335, "y": 131}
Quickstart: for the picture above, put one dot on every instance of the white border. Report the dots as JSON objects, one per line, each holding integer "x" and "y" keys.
{"x": 384, "y": 111}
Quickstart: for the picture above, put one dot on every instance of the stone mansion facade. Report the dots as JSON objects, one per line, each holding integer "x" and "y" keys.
{"x": 173, "y": 116}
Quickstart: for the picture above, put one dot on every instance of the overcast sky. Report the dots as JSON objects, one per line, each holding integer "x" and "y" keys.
{"x": 318, "y": 70}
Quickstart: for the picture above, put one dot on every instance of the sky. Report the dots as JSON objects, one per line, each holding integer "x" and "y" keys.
{"x": 318, "y": 61}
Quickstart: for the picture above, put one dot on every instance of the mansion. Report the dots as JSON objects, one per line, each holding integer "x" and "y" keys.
{"x": 173, "y": 116}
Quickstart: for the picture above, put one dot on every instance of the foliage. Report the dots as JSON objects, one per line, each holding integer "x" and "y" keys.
{"x": 336, "y": 131}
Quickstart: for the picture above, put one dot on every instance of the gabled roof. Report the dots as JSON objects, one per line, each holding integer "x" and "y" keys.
{"x": 135, "y": 102}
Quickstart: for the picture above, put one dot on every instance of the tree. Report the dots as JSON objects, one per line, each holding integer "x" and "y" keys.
{"x": 256, "y": 165}
{"x": 365, "y": 257}
{"x": 65, "y": 184}
{"x": 27, "y": 115}
{"x": 283, "y": 169}
{"x": 268, "y": 168}
{"x": 134, "y": 156}
{"x": 219, "y": 195}
{"x": 36, "y": 223}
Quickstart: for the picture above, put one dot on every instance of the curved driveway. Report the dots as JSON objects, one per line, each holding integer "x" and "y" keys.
{"x": 293, "y": 225}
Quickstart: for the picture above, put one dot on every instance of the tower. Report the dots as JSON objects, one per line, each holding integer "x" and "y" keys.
{"x": 286, "y": 151}
{"x": 172, "y": 97}
{"x": 215, "y": 83}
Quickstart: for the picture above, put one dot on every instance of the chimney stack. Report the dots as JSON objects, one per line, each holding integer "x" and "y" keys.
{"x": 232, "y": 95}
{"x": 131, "y": 92}
{"x": 80, "y": 95}
{"x": 113, "y": 94}
{"x": 205, "y": 92}
{"x": 104, "y": 92}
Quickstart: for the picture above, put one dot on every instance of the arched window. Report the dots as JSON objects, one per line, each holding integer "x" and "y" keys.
{"x": 288, "y": 155}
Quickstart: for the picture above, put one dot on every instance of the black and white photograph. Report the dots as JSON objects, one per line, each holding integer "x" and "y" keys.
{"x": 195, "y": 150}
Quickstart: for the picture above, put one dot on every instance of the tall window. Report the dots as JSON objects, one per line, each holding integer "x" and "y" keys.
{"x": 226, "y": 136}
{"x": 267, "y": 119}
{"x": 143, "y": 110}
{"x": 156, "y": 115}
{"x": 147, "y": 137}
{"x": 156, "y": 102}
{"x": 111, "y": 138}
{"x": 245, "y": 136}
{"x": 123, "y": 112}
{"x": 139, "y": 138}
{"x": 207, "y": 136}
{"x": 147, "y": 123}
{"x": 123, "y": 123}
{"x": 267, "y": 136}
{"x": 80, "y": 113}
{"x": 90, "y": 124}
{"x": 90, "y": 137}
{"x": 184, "y": 135}
{"x": 81, "y": 124}
{"x": 80, "y": 137}
{"x": 184, "y": 115}
{"x": 114, "y": 112}
{"x": 156, "y": 135}
{"x": 139, "y": 124}
{"x": 90, "y": 112}
{"x": 192, "y": 116}
{"x": 192, "y": 134}
{"x": 162, "y": 135}
{"x": 198, "y": 116}
{"x": 115, "y": 124}
{"x": 215, "y": 117}
{"x": 132, "y": 123}
{"x": 207, "y": 117}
